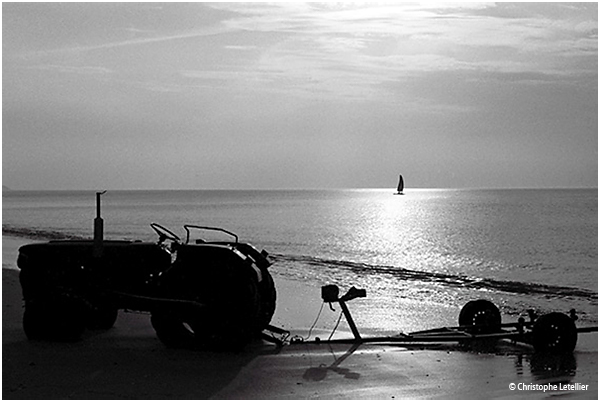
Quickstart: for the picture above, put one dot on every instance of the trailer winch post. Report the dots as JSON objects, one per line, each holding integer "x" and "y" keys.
{"x": 330, "y": 293}
{"x": 350, "y": 320}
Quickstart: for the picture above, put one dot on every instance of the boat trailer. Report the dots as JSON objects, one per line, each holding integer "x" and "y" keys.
{"x": 479, "y": 321}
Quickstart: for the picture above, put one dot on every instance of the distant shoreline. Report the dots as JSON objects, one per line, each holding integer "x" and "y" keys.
{"x": 37, "y": 234}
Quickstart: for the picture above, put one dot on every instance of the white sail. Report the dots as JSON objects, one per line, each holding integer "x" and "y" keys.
{"x": 400, "y": 184}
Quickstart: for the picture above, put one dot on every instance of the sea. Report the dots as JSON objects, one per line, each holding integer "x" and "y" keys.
{"x": 431, "y": 249}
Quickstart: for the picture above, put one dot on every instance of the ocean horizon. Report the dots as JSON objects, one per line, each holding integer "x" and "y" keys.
{"x": 12, "y": 189}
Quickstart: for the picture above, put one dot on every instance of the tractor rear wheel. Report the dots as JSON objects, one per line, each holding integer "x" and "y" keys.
{"x": 229, "y": 318}
{"x": 174, "y": 331}
{"x": 268, "y": 299}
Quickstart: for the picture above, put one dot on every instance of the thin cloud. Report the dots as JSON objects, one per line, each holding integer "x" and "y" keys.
{"x": 471, "y": 28}
{"x": 210, "y": 31}
{"x": 362, "y": 46}
{"x": 87, "y": 70}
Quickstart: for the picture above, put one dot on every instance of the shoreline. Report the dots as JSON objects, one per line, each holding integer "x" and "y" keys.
{"x": 129, "y": 362}
{"x": 10, "y": 250}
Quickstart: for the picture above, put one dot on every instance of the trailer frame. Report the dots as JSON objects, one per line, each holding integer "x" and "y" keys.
{"x": 553, "y": 332}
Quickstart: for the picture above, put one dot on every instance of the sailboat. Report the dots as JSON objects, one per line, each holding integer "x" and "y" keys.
{"x": 400, "y": 186}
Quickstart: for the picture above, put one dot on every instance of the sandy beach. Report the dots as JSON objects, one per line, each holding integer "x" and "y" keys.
{"x": 129, "y": 362}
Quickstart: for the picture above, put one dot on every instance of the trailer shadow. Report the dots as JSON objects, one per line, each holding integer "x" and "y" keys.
{"x": 541, "y": 366}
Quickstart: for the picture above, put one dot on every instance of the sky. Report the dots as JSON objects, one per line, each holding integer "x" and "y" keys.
{"x": 299, "y": 95}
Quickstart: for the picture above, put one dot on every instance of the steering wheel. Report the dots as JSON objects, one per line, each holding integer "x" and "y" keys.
{"x": 164, "y": 233}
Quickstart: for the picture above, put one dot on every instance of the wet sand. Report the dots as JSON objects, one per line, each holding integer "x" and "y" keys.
{"x": 128, "y": 362}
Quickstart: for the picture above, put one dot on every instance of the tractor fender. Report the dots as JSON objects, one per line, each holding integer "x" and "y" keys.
{"x": 202, "y": 259}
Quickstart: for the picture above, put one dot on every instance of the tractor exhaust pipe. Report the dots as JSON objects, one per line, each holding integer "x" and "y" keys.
{"x": 98, "y": 230}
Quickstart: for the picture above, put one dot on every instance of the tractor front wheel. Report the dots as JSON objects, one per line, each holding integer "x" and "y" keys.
{"x": 57, "y": 318}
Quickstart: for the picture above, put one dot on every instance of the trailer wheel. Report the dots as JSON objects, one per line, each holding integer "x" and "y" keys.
{"x": 59, "y": 318}
{"x": 482, "y": 315}
{"x": 554, "y": 332}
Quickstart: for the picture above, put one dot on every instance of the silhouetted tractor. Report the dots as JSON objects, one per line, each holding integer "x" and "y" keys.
{"x": 216, "y": 294}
